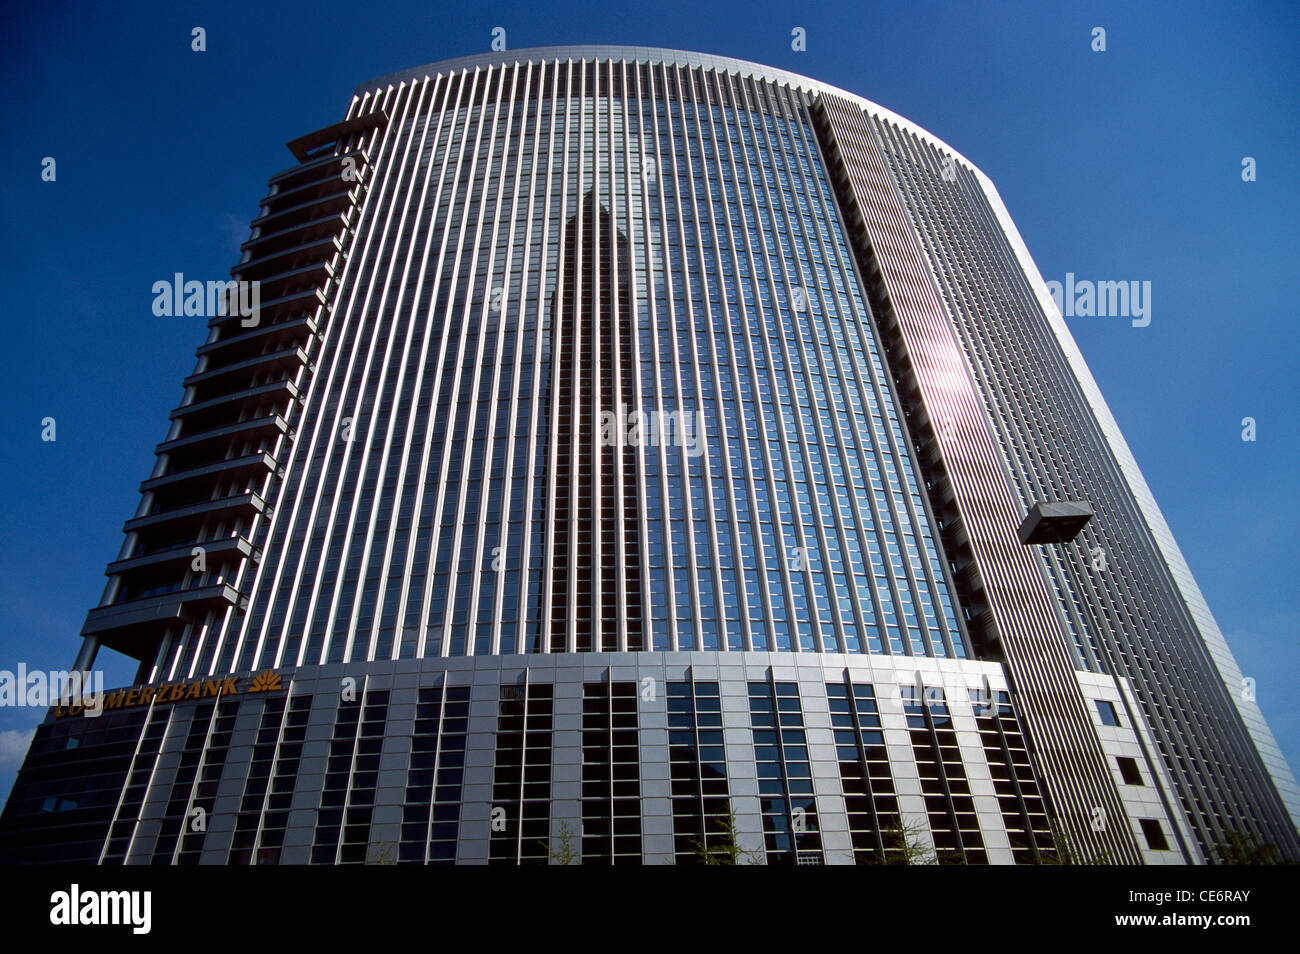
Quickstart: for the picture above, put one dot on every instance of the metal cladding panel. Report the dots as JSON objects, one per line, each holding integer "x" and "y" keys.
{"x": 535, "y": 238}
{"x": 302, "y": 773}
{"x": 545, "y": 249}
{"x": 1123, "y": 589}
{"x": 1027, "y": 624}
{"x": 1229, "y": 672}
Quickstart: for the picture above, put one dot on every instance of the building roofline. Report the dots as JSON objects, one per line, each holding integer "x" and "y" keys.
{"x": 655, "y": 55}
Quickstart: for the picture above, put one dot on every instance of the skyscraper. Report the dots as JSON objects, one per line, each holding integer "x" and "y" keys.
{"x": 633, "y": 455}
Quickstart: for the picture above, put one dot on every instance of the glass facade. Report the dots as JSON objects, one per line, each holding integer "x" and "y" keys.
{"x": 557, "y": 254}
{"x": 1124, "y": 595}
{"x": 624, "y": 468}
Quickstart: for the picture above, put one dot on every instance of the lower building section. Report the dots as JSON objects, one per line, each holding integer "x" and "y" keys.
{"x": 654, "y": 758}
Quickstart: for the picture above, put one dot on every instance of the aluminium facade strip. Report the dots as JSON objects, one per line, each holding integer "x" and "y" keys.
{"x": 1223, "y": 658}
{"x": 1076, "y": 771}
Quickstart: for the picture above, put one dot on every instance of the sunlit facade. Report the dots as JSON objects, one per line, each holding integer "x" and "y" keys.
{"x": 625, "y": 465}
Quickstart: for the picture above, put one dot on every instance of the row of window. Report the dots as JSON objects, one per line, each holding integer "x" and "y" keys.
{"x": 609, "y": 828}
{"x": 895, "y": 598}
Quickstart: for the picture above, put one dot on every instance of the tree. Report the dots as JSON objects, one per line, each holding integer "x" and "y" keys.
{"x": 1238, "y": 848}
{"x": 1064, "y": 852}
{"x": 565, "y": 853}
{"x": 721, "y": 847}
{"x": 905, "y": 844}
{"x": 381, "y": 853}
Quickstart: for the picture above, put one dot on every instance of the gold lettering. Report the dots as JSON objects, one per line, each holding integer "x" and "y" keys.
{"x": 193, "y": 691}
{"x": 146, "y": 695}
{"x": 132, "y": 698}
{"x": 178, "y": 690}
{"x": 230, "y": 684}
{"x": 114, "y": 700}
{"x": 210, "y": 688}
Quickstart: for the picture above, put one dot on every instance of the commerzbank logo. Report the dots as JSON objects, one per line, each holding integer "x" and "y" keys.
{"x": 167, "y": 693}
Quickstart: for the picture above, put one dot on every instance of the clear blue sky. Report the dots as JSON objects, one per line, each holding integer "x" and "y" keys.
{"x": 1117, "y": 165}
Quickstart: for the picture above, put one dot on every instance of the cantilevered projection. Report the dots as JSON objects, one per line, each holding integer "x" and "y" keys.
{"x": 1057, "y": 522}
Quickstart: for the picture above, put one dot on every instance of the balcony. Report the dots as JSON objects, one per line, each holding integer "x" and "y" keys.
{"x": 291, "y": 358}
{"x": 323, "y": 166}
{"x": 262, "y": 393}
{"x": 245, "y": 504}
{"x": 253, "y": 427}
{"x": 182, "y": 553}
{"x": 274, "y": 263}
{"x": 213, "y": 472}
{"x": 249, "y": 343}
{"x": 308, "y": 147}
{"x": 268, "y": 243}
{"x": 310, "y": 209}
{"x": 308, "y": 197}
{"x": 135, "y": 626}
{"x": 294, "y": 304}
{"x": 308, "y": 277}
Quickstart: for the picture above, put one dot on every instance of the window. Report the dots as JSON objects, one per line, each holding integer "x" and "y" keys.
{"x": 1154, "y": 834}
{"x": 1109, "y": 716}
{"x": 1128, "y": 769}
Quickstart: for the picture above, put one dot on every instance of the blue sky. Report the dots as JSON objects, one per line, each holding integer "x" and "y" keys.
{"x": 1122, "y": 165}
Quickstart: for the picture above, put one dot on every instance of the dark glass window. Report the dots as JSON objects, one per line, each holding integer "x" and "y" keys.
{"x": 1128, "y": 769}
{"x": 1154, "y": 834}
{"x": 1108, "y": 713}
